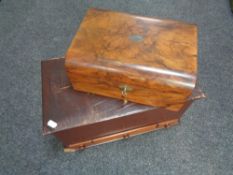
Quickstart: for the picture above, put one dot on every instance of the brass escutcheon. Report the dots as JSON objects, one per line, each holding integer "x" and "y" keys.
{"x": 124, "y": 90}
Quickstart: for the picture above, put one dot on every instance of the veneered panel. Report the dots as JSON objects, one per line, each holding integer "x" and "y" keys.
{"x": 156, "y": 59}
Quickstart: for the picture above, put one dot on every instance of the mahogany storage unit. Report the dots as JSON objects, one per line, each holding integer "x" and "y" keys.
{"x": 81, "y": 119}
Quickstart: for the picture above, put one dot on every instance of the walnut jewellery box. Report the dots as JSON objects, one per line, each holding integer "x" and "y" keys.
{"x": 122, "y": 75}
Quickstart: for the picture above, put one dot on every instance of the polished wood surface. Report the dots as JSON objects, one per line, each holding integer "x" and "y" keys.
{"x": 155, "y": 58}
{"x": 119, "y": 136}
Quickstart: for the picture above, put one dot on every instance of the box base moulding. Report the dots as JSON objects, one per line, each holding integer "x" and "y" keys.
{"x": 119, "y": 136}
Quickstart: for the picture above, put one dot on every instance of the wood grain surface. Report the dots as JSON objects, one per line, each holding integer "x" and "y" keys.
{"x": 156, "y": 58}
